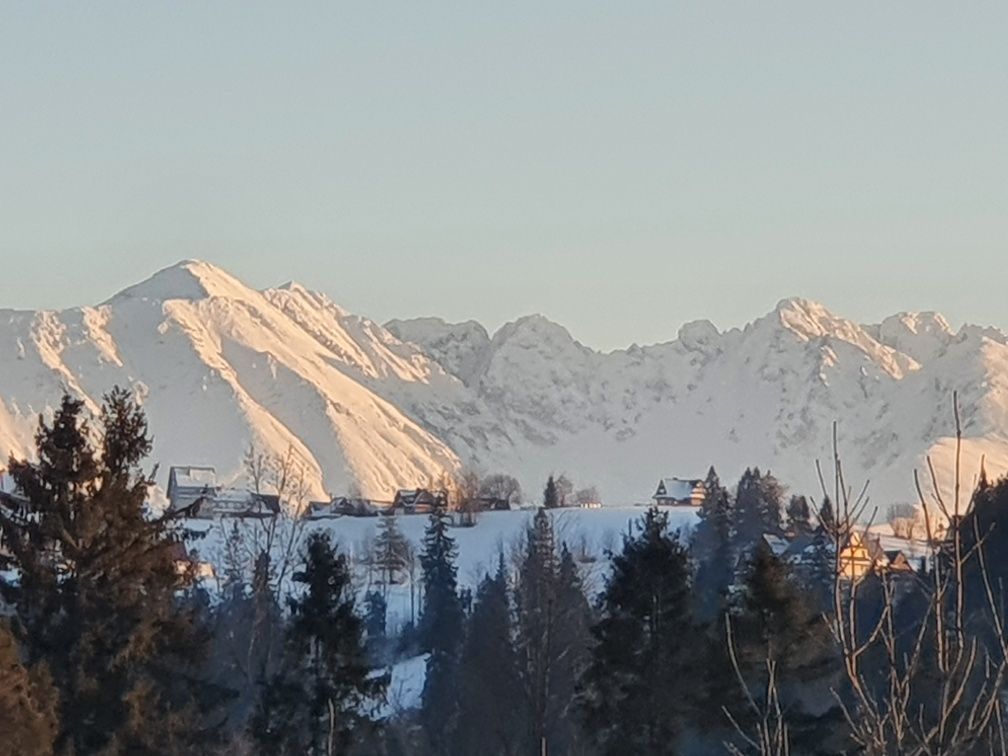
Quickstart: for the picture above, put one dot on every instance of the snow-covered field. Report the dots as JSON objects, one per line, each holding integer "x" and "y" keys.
{"x": 589, "y": 533}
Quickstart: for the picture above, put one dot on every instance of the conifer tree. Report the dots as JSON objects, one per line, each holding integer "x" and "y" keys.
{"x": 28, "y": 716}
{"x": 247, "y": 643}
{"x": 99, "y": 587}
{"x": 551, "y": 496}
{"x": 488, "y": 681}
{"x": 757, "y": 508}
{"x": 321, "y": 700}
{"x": 642, "y": 683}
{"x": 711, "y": 548}
{"x": 391, "y": 551}
{"x": 827, "y": 516}
{"x": 440, "y": 631}
{"x": 376, "y": 609}
{"x": 538, "y": 639}
{"x": 799, "y": 515}
{"x": 777, "y": 620}
{"x": 574, "y": 620}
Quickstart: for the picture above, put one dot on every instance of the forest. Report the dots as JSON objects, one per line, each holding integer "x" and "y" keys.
{"x": 700, "y": 641}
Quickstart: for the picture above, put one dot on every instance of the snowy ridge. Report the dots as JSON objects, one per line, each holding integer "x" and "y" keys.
{"x": 219, "y": 365}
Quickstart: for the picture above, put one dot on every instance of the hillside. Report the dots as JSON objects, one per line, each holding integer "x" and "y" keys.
{"x": 219, "y": 365}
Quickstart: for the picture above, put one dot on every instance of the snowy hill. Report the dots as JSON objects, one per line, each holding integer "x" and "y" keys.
{"x": 219, "y": 365}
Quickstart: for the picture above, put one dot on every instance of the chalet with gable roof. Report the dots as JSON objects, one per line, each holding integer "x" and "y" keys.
{"x": 679, "y": 493}
{"x": 418, "y": 501}
{"x": 188, "y": 483}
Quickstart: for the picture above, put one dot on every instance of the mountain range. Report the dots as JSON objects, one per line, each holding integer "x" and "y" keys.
{"x": 220, "y": 366}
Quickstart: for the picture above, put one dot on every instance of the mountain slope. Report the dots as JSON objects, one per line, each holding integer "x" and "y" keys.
{"x": 220, "y": 366}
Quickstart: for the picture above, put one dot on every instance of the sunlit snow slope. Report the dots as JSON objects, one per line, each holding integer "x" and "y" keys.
{"x": 219, "y": 366}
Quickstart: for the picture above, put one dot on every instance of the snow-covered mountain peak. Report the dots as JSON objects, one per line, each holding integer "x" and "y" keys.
{"x": 921, "y": 335}
{"x": 189, "y": 280}
{"x": 221, "y": 365}
{"x": 699, "y": 336}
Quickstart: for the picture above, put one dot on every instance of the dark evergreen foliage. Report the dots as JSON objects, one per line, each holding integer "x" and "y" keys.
{"x": 645, "y": 677}
{"x": 757, "y": 507}
{"x": 711, "y": 548}
{"x": 322, "y": 699}
{"x": 100, "y": 592}
{"x": 488, "y": 683}
{"x": 28, "y": 703}
{"x": 551, "y": 496}
{"x": 440, "y": 631}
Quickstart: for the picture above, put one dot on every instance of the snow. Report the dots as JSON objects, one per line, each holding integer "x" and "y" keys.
{"x": 677, "y": 489}
{"x": 194, "y": 477}
{"x": 219, "y": 365}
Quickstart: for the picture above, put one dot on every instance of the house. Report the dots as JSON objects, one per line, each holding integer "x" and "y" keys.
{"x": 861, "y": 555}
{"x": 897, "y": 561}
{"x": 343, "y": 506}
{"x": 487, "y": 503}
{"x": 188, "y": 483}
{"x": 679, "y": 493}
{"x": 418, "y": 501}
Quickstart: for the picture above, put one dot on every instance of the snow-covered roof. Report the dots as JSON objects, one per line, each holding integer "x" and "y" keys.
{"x": 778, "y": 545}
{"x": 192, "y": 476}
{"x": 675, "y": 488}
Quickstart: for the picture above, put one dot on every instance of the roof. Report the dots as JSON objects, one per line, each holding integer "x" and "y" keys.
{"x": 191, "y": 476}
{"x": 675, "y": 488}
{"x": 778, "y": 544}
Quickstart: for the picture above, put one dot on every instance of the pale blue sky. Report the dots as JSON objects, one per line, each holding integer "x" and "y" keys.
{"x": 619, "y": 167}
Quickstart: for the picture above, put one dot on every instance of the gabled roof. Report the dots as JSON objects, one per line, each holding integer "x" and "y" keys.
{"x": 676, "y": 488}
{"x": 192, "y": 476}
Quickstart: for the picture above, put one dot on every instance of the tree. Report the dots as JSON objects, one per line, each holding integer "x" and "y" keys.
{"x": 905, "y": 520}
{"x": 642, "y": 682}
{"x": 488, "y": 681}
{"x": 441, "y": 629}
{"x": 538, "y": 641}
{"x": 565, "y": 490}
{"x": 589, "y": 495}
{"x": 799, "y": 515}
{"x": 100, "y": 592}
{"x": 320, "y": 702}
{"x": 390, "y": 551}
{"x": 247, "y": 644}
{"x": 757, "y": 508}
{"x": 501, "y": 487}
{"x": 711, "y": 548}
{"x": 376, "y": 609}
{"x": 28, "y": 716}
{"x": 551, "y": 497}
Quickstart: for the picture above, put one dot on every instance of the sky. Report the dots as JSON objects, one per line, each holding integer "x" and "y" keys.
{"x": 621, "y": 168}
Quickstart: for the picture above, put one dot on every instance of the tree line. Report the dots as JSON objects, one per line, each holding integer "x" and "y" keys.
{"x": 699, "y": 642}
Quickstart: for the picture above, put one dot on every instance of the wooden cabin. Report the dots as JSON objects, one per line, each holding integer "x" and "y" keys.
{"x": 676, "y": 492}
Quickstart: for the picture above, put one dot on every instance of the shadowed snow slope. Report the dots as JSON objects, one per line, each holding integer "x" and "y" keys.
{"x": 219, "y": 366}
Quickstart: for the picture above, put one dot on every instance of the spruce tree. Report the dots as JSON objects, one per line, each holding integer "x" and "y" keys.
{"x": 28, "y": 716}
{"x": 643, "y": 682}
{"x": 391, "y": 551}
{"x": 757, "y": 508}
{"x": 440, "y": 631}
{"x": 488, "y": 681}
{"x": 247, "y": 645}
{"x": 799, "y": 515}
{"x": 538, "y": 639}
{"x": 776, "y": 619}
{"x": 321, "y": 701}
{"x": 551, "y": 496}
{"x": 99, "y": 594}
{"x": 574, "y": 621}
{"x": 711, "y": 548}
